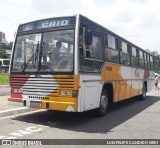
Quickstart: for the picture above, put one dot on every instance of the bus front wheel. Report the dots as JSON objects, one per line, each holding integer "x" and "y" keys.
{"x": 103, "y": 105}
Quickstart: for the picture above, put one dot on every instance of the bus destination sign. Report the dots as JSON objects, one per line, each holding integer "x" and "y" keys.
{"x": 48, "y": 23}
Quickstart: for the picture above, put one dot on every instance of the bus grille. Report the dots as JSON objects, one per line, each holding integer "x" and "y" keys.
{"x": 43, "y": 86}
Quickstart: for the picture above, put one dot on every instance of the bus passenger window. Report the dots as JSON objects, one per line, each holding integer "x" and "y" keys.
{"x": 141, "y": 59}
{"x": 107, "y": 54}
{"x": 146, "y": 60}
{"x": 125, "y": 57}
{"x": 111, "y": 41}
{"x": 125, "y": 60}
{"x": 151, "y": 62}
{"x": 134, "y": 57}
{"x": 111, "y": 55}
{"x": 124, "y": 47}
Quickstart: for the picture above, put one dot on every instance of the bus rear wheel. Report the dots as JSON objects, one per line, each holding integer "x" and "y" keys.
{"x": 103, "y": 105}
{"x": 144, "y": 91}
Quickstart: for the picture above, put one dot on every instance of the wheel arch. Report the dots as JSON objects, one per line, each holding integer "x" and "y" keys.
{"x": 109, "y": 88}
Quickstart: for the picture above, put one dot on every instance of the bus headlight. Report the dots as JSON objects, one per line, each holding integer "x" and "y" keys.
{"x": 68, "y": 93}
{"x": 62, "y": 93}
{"x": 17, "y": 90}
{"x": 65, "y": 93}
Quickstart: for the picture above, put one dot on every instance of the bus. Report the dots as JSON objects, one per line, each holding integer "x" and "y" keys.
{"x": 73, "y": 64}
{"x": 4, "y": 65}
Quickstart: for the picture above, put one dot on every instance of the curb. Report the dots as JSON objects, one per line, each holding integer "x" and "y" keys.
{"x": 15, "y": 111}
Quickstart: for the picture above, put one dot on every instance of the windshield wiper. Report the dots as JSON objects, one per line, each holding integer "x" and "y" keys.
{"x": 34, "y": 54}
{"x": 48, "y": 64}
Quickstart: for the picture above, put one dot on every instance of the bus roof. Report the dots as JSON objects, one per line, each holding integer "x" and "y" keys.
{"x": 67, "y": 20}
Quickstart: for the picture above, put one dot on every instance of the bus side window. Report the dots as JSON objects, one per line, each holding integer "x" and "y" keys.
{"x": 146, "y": 60}
{"x": 111, "y": 49}
{"x": 107, "y": 54}
{"x": 96, "y": 48}
{"x": 134, "y": 57}
{"x": 151, "y": 61}
{"x": 0, "y": 63}
{"x": 94, "y": 55}
{"x": 141, "y": 59}
{"x": 111, "y": 41}
{"x": 125, "y": 58}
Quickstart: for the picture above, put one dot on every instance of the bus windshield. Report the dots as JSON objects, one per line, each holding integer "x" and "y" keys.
{"x": 44, "y": 52}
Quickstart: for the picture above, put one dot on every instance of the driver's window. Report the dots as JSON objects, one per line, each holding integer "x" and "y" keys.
{"x": 95, "y": 50}
{"x": 94, "y": 56}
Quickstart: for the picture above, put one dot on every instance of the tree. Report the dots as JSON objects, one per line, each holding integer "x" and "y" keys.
{"x": 9, "y": 45}
{"x": 6, "y": 46}
{"x": 3, "y": 53}
{"x": 157, "y": 64}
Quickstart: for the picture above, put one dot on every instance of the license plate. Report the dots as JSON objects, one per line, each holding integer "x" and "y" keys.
{"x": 35, "y": 103}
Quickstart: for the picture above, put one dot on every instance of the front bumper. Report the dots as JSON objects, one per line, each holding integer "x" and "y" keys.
{"x": 51, "y": 105}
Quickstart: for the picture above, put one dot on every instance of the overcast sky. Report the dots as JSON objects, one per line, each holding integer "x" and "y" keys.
{"x": 136, "y": 20}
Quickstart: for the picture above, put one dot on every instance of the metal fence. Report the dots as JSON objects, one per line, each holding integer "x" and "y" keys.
{"x": 3, "y": 70}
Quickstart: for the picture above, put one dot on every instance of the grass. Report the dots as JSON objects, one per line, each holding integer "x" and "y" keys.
{"x": 4, "y": 80}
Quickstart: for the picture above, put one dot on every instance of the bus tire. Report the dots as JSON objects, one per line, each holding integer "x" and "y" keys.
{"x": 103, "y": 105}
{"x": 144, "y": 91}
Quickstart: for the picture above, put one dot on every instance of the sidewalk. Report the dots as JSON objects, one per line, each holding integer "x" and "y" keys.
{"x": 7, "y": 109}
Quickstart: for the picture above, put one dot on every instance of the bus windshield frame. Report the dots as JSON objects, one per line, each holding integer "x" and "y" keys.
{"x": 37, "y": 52}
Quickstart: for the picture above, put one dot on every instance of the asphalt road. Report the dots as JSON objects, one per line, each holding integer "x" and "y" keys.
{"x": 131, "y": 119}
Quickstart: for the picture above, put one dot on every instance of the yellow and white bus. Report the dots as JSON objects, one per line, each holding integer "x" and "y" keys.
{"x": 74, "y": 64}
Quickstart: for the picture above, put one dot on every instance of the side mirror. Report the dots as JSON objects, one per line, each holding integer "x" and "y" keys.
{"x": 88, "y": 37}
